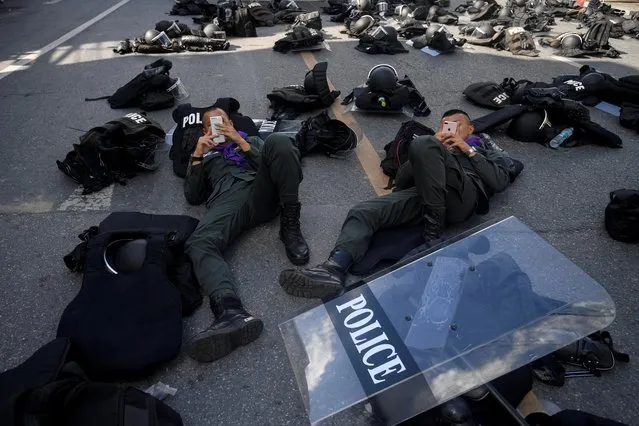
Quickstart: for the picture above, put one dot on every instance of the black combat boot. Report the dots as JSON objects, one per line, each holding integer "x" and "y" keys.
{"x": 322, "y": 281}
{"x": 433, "y": 225}
{"x": 232, "y": 327}
{"x": 291, "y": 234}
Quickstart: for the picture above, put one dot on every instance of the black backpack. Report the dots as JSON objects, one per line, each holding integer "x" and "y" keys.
{"x": 113, "y": 152}
{"x": 243, "y": 25}
{"x": 629, "y": 116}
{"x": 51, "y": 388}
{"x": 261, "y": 15}
{"x": 488, "y": 94}
{"x": 146, "y": 90}
{"x": 397, "y": 149}
{"x": 326, "y": 135}
{"x": 622, "y": 215}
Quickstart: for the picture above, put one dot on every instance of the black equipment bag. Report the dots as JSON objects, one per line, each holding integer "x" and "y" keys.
{"x": 299, "y": 38}
{"x": 288, "y": 102}
{"x": 188, "y": 129}
{"x": 261, "y": 15}
{"x": 622, "y": 215}
{"x": 50, "y": 388}
{"x": 397, "y": 149}
{"x": 113, "y": 152}
{"x": 243, "y": 25}
{"x": 125, "y": 325}
{"x": 147, "y": 90}
{"x": 629, "y": 116}
{"x": 311, "y": 20}
{"x": 404, "y": 94}
{"x": 326, "y": 135}
{"x": 488, "y": 94}
{"x": 178, "y": 266}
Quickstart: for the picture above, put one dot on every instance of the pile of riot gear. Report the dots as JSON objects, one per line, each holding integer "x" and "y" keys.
{"x": 173, "y": 36}
{"x": 384, "y": 91}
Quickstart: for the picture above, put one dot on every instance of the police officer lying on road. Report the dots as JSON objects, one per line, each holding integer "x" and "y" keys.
{"x": 244, "y": 181}
{"x": 448, "y": 178}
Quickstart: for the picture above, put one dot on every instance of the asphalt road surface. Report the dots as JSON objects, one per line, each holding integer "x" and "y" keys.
{"x": 43, "y": 82}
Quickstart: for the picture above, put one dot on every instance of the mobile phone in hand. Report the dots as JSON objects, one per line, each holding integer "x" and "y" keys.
{"x": 450, "y": 127}
{"x": 215, "y": 120}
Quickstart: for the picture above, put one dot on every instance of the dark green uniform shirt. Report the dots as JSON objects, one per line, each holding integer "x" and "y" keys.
{"x": 215, "y": 175}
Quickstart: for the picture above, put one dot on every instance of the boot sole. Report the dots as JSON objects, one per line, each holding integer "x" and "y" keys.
{"x": 215, "y": 344}
{"x": 299, "y": 285}
{"x": 294, "y": 261}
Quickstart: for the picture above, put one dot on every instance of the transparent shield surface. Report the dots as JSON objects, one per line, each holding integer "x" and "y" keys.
{"x": 441, "y": 325}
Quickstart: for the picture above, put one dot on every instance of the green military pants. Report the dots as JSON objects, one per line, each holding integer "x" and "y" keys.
{"x": 440, "y": 183}
{"x": 246, "y": 205}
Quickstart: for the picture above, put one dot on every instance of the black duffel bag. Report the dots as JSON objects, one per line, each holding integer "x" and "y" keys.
{"x": 622, "y": 215}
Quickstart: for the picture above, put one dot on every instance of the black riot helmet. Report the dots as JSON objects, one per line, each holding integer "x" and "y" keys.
{"x": 385, "y": 33}
{"x": 402, "y": 11}
{"x": 593, "y": 79}
{"x": 125, "y": 255}
{"x": 432, "y": 29}
{"x": 571, "y": 41}
{"x": 478, "y": 4}
{"x": 382, "y": 77}
{"x": 504, "y": 13}
{"x": 531, "y": 126}
{"x": 360, "y": 26}
{"x": 150, "y": 35}
{"x": 484, "y": 30}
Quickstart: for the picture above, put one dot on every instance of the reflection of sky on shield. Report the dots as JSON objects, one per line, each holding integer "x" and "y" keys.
{"x": 510, "y": 352}
{"x": 330, "y": 379}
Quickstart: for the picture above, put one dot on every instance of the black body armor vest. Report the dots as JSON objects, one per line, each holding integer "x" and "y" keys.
{"x": 124, "y": 325}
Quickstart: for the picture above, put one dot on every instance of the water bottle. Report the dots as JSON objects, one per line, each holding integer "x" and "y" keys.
{"x": 562, "y": 137}
{"x": 490, "y": 143}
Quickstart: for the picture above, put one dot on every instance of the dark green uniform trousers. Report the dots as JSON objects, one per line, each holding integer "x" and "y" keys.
{"x": 244, "y": 206}
{"x": 440, "y": 183}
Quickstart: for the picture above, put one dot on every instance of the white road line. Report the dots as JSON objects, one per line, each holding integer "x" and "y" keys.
{"x": 27, "y": 59}
{"x": 97, "y": 201}
{"x": 52, "y": 2}
{"x": 566, "y": 60}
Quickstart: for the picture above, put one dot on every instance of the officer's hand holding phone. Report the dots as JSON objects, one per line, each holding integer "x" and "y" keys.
{"x": 204, "y": 144}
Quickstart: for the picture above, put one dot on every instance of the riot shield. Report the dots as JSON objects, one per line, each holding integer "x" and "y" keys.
{"x": 417, "y": 335}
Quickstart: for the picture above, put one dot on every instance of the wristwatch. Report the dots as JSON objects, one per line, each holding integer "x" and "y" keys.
{"x": 471, "y": 151}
